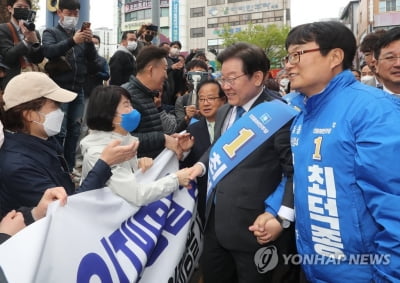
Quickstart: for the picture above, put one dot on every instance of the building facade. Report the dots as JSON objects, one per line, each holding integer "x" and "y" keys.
{"x": 370, "y": 15}
{"x": 108, "y": 41}
{"x": 209, "y": 17}
{"x": 197, "y": 24}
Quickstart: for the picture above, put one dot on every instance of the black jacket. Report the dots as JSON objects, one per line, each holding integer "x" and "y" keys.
{"x": 150, "y": 130}
{"x": 12, "y": 53}
{"x": 122, "y": 66}
{"x": 241, "y": 193}
{"x": 30, "y": 165}
{"x": 57, "y": 42}
{"x": 199, "y": 131}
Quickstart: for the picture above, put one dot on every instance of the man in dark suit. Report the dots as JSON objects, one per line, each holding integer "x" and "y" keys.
{"x": 231, "y": 252}
{"x": 210, "y": 98}
{"x": 19, "y": 45}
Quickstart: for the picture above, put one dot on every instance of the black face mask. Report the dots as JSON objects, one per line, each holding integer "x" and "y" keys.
{"x": 148, "y": 37}
{"x": 21, "y": 14}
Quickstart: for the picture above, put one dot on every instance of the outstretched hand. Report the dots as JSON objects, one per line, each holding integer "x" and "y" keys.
{"x": 114, "y": 153}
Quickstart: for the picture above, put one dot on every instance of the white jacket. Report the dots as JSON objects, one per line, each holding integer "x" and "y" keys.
{"x": 123, "y": 181}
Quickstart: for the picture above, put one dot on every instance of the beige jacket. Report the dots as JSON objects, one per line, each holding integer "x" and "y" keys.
{"x": 123, "y": 181}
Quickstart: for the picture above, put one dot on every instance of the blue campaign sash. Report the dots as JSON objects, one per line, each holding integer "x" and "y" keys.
{"x": 244, "y": 136}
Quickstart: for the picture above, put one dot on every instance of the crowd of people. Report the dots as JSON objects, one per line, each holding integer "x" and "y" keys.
{"x": 322, "y": 183}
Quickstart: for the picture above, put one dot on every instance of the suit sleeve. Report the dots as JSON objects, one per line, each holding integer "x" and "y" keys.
{"x": 282, "y": 200}
{"x": 12, "y": 52}
{"x": 97, "y": 177}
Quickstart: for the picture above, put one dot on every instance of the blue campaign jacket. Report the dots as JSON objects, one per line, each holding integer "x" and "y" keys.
{"x": 30, "y": 165}
{"x": 346, "y": 146}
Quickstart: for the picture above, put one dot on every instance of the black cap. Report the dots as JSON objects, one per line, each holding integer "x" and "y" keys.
{"x": 152, "y": 27}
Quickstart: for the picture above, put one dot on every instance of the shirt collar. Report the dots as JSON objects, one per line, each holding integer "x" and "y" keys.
{"x": 249, "y": 103}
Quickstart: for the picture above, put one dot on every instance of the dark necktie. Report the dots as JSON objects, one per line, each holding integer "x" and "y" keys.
{"x": 239, "y": 112}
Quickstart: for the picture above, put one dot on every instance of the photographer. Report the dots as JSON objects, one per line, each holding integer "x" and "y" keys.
{"x": 19, "y": 41}
{"x": 186, "y": 106}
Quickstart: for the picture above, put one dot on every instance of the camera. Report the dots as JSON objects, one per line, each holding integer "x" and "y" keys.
{"x": 197, "y": 76}
{"x": 29, "y": 22}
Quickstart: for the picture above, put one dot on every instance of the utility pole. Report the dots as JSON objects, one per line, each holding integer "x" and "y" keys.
{"x": 119, "y": 31}
{"x": 155, "y": 18}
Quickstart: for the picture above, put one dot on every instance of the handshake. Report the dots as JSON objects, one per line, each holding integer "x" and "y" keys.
{"x": 179, "y": 143}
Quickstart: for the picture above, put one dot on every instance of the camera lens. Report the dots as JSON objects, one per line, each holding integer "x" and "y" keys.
{"x": 29, "y": 25}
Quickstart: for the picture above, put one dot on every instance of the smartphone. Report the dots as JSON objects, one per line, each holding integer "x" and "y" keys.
{"x": 85, "y": 25}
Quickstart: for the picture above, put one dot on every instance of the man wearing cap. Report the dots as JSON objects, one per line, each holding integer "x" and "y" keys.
{"x": 31, "y": 159}
{"x": 145, "y": 34}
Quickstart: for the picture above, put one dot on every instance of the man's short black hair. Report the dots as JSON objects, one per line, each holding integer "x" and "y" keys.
{"x": 368, "y": 44}
{"x": 176, "y": 43}
{"x": 125, "y": 34}
{"x": 12, "y": 2}
{"x": 97, "y": 37}
{"x": 102, "y": 107}
{"x": 327, "y": 35}
{"x": 69, "y": 4}
{"x": 386, "y": 39}
{"x": 148, "y": 54}
{"x": 253, "y": 57}
{"x": 196, "y": 63}
{"x": 202, "y": 83}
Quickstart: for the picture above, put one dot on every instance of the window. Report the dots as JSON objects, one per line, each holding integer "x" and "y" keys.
{"x": 212, "y": 22}
{"x": 197, "y": 32}
{"x": 164, "y": 30}
{"x": 223, "y": 20}
{"x": 215, "y": 2}
{"x": 389, "y": 5}
{"x": 164, "y": 12}
{"x": 255, "y": 16}
{"x": 197, "y": 12}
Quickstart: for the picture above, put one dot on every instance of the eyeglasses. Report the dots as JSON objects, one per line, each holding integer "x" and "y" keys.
{"x": 294, "y": 58}
{"x": 390, "y": 59}
{"x": 208, "y": 99}
{"x": 229, "y": 81}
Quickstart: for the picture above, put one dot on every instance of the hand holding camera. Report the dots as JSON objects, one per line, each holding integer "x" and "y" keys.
{"x": 26, "y": 16}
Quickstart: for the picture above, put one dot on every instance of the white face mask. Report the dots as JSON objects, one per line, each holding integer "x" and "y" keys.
{"x": 368, "y": 80}
{"x": 132, "y": 45}
{"x": 52, "y": 122}
{"x": 69, "y": 22}
{"x": 97, "y": 47}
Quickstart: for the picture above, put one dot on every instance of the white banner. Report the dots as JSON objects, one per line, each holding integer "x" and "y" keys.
{"x": 99, "y": 237}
